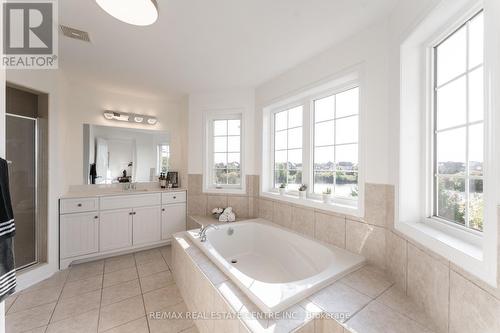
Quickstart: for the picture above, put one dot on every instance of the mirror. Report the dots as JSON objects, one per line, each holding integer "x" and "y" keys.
{"x": 121, "y": 155}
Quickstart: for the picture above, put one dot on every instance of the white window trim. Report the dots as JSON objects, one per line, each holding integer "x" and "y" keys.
{"x": 208, "y": 118}
{"x": 473, "y": 251}
{"x": 345, "y": 80}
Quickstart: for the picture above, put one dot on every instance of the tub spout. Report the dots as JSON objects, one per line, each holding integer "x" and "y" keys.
{"x": 203, "y": 231}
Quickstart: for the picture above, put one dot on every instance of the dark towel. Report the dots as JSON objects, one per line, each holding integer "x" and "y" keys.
{"x": 7, "y": 231}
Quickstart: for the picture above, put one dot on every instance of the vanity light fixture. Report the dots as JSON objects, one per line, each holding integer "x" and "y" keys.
{"x": 135, "y": 118}
{"x": 135, "y": 12}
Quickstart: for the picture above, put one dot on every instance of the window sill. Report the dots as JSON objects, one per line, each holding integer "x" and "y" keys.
{"x": 314, "y": 203}
{"x": 460, "y": 247}
{"x": 239, "y": 191}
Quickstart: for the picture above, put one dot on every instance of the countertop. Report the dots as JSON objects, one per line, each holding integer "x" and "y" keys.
{"x": 109, "y": 192}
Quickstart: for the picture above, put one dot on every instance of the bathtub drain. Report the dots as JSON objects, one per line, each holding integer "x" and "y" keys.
{"x": 234, "y": 261}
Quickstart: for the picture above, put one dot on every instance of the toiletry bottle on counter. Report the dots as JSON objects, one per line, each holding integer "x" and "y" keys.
{"x": 163, "y": 180}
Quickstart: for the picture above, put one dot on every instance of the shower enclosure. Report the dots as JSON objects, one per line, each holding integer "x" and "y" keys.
{"x": 26, "y": 129}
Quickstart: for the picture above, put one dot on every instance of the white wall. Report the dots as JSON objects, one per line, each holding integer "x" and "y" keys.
{"x": 368, "y": 49}
{"x": 241, "y": 99}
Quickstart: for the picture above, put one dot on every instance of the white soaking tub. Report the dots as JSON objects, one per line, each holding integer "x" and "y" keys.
{"x": 274, "y": 267}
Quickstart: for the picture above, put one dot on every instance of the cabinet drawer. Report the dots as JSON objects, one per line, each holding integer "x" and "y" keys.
{"x": 173, "y": 197}
{"x": 130, "y": 201}
{"x": 79, "y": 205}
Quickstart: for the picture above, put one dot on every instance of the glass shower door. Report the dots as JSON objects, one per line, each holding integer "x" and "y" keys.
{"x": 21, "y": 152}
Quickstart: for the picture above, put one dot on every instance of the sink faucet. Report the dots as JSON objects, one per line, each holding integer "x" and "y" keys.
{"x": 129, "y": 186}
{"x": 203, "y": 231}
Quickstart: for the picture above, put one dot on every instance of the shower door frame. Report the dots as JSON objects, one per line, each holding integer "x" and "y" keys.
{"x": 36, "y": 168}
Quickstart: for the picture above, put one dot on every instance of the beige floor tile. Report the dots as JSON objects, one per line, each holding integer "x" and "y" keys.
{"x": 398, "y": 301}
{"x": 340, "y": 300}
{"x": 86, "y": 270}
{"x": 35, "y": 298}
{"x": 192, "y": 329}
{"x": 29, "y": 319}
{"x": 136, "y": 326}
{"x": 377, "y": 318}
{"x": 83, "y": 323}
{"x": 120, "y": 276}
{"x": 147, "y": 256}
{"x": 37, "y": 330}
{"x": 74, "y": 306}
{"x": 10, "y": 300}
{"x": 368, "y": 281}
{"x": 156, "y": 281}
{"x": 75, "y": 288}
{"x": 119, "y": 263}
{"x": 152, "y": 267}
{"x": 56, "y": 280}
{"x": 171, "y": 325}
{"x": 120, "y": 292}
{"x": 121, "y": 313}
{"x": 166, "y": 252}
{"x": 157, "y": 300}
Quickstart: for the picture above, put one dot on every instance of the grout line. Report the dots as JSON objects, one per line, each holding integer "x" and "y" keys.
{"x": 100, "y": 302}
{"x": 142, "y": 296}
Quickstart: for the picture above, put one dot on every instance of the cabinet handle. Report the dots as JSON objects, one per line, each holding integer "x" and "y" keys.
{"x": 175, "y": 197}
{"x": 131, "y": 213}
{"x": 79, "y": 205}
{"x": 163, "y": 209}
{"x": 96, "y": 217}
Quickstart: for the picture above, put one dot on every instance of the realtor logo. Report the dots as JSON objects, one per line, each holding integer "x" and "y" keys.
{"x": 30, "y": 35}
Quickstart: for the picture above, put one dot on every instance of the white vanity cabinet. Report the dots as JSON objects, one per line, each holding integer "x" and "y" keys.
{"x": 173, "y": 219}
{"x": 146, "y": 225}
{"x": 79, "y": 234}
{"x": 115, "y": 229}
{"x": 110, "y": 224}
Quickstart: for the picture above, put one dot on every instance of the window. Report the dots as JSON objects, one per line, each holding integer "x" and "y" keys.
{"x": 336, "y": 144}
{"x": 288, "y": 148}
{"x": 224, "y": 150}
{"x": 458, "y": 126}
{"x": 313, "y": 139}
{"x": 163, "y": 155}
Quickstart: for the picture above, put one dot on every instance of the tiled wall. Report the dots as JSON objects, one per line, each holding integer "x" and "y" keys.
{"x": 455, "y": 300}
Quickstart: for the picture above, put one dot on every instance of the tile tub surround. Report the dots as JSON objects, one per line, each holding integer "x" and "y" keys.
{"x": 374, "y": 236}
{"x": 112, "y": 295}
{"x": 363, "y": 301}
{"x": 270, "y": 276}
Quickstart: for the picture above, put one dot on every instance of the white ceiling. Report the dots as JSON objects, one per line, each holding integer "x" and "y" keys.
{"x": 208, "y": 45}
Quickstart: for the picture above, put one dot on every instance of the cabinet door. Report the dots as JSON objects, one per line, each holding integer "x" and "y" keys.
{"x": 173, "y": 220}
{"x": 79, "y": 234}
{"x": 147, "y": 225}
{"x": 115, "y": 229}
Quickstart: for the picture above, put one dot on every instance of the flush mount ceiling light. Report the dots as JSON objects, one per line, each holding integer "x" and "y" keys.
{"x": 135, "y": 118}
{"x": 136, "y": 12}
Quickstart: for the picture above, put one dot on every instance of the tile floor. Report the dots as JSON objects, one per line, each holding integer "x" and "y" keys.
{"x": 111, "y": 295}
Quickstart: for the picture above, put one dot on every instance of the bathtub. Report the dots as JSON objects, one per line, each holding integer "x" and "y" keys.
{"x": 274, "y": 267}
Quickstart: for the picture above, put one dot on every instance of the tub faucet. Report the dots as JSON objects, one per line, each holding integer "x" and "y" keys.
{"x": 203, "y": 231}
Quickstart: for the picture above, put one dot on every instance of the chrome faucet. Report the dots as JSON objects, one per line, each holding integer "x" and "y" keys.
{"x": 203, "y": 231}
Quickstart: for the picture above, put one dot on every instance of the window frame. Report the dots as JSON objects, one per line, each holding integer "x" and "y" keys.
{"x": 208, "y": 156}
{"x": 476, "y": 254}
{"x": 470, "y": 235}
{"x": 158, "y": 158}
{"x": 340, "y": 83}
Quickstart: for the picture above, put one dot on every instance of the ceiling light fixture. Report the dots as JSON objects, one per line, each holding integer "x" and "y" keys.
{"x": 136, "y": 12}
{"x": 152, "y": 121}
{"x": 138, "y": 119}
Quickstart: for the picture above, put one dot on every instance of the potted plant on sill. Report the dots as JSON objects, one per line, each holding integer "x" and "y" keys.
{"x": 282, "y": 188}
{"x": 327, "y": 195}
{"x": 302, "y": 191}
